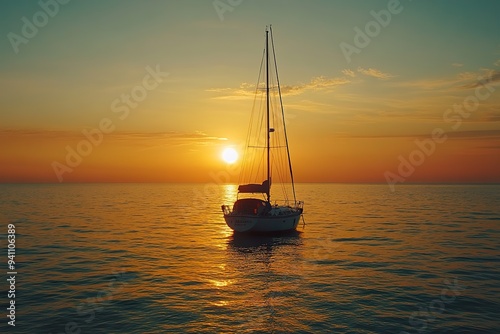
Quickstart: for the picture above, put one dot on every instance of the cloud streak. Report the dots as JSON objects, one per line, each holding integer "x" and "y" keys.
{"x": 471, "y": 134}
{"x": 120, "y": 136}
{"x": 319, "y": 83}
{"x": 489, "y": 77}
{"x": 373, "y": 72}
{"x": 463, "y": 80}
{"x": 245, "y": 90}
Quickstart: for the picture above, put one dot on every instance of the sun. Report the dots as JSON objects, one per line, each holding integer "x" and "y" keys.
{"x": 229, "y": 155}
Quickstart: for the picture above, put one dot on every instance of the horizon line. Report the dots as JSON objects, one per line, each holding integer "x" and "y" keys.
{"x": 233, "y": 183}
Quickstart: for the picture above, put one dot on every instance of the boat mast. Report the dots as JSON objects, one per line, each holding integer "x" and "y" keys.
{"x": 268, "y": 141}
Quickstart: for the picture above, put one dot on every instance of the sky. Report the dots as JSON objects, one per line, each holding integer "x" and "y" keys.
{"x": 154, "y": 91}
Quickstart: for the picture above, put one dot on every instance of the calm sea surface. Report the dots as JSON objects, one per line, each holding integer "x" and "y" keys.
{"x": 158, "y": 258}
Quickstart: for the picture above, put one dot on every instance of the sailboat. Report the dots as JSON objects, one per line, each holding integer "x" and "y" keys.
{"x": 266, "y": 155}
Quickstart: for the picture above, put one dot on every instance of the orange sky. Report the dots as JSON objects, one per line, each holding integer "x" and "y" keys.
{"x": 169, "y": 85}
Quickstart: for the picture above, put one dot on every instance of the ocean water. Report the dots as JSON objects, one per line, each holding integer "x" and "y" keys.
{"x": 158, "y": 258}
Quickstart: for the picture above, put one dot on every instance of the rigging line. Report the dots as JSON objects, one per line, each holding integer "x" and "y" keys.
{"x": 251, "y": 163}
{"x": 278, "y": 156}
{"x": 245, "y": 153}
{"x": 283, "y": 114}
{"x": 267, "y": 115}
{"x": 280, "y": 173}
{"x": 257, "y": 169}
{"x": 257, "y": 161}
{"x": 258, "y": 155}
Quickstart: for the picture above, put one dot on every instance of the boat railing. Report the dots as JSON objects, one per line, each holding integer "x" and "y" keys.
{"x": 226, "y": 209}
{"x": 297, "y": 205}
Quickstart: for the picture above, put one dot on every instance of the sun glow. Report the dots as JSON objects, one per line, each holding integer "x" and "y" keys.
{"x": 229, "y": 155}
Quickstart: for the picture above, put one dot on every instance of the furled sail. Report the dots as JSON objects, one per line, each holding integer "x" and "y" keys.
{"x": 255, "y": 188}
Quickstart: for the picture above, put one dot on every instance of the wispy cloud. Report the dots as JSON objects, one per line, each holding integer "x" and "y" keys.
{"x": 246, "y": 90}
{"x": 472, "y": 134}
{"x": 370, "y": 72}
{"x": 119, "y": 136}
{"x": 488, "y": 76}
{"x": 429, "y": 84}
{"x": 457, "y": 65}
{"x": 178, "y": 136}
{"x": 159, "y": 140}
{"x": 373, "y": 72}
{"x": 311, "y": 106}
{"x": 320, "y": 83}
{"x": 349, "y": 73}
{"x": 461, "y": 81}
{"x": 492, "y": 134}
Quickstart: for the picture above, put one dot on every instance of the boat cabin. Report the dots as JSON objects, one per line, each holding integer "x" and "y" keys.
{"x": 251, "y": 206}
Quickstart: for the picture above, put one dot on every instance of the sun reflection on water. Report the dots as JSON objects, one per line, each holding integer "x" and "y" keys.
{"x": 221, "y": 283}
{"x": 229, "y": 193}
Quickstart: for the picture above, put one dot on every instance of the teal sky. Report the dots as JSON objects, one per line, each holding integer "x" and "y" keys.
{"x": 90, "y": 46}
{"x": 91, "y": 52}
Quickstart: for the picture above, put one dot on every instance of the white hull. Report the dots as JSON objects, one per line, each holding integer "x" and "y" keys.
{"x": 266, "y": 223}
